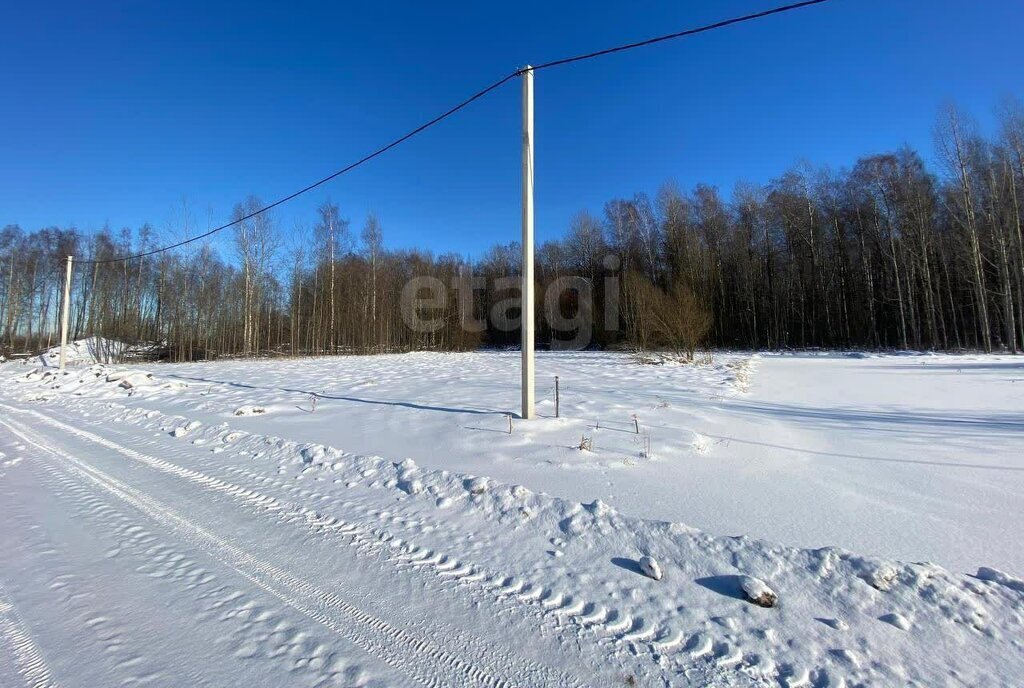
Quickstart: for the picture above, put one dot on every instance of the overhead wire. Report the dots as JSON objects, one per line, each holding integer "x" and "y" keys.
{"x": 383, "y": 149}
{"x": 678, "y": 34}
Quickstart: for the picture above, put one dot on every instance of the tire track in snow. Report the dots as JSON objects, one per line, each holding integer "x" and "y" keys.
{"x": 618, "y": 626}
{"x": 368, "y": 538}
{"x": 632, "y": 634}
{"x": 549, "y": 603}
{"x": 418, "y": 657}
{"x": 256, "y": 631}
{"x": 27, "y": 658}
{"x": 75, "y": 594}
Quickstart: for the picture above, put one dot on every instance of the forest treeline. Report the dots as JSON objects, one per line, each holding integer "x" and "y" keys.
{"x": 886, "y": 254}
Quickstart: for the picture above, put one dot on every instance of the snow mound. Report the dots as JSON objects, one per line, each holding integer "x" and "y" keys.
{"x": 84, "y": 352}
{"x": 132, "y": 379}
{"x": 895, "y": 619}
{"x": 741, "y": 374}
{"x": 408, "y": 480}
{"x": 185, "y": 429}
{"x": 758, "y": 592}
{"x": 476, "y": 486}
{"x": 996, "y": 576}
{"x": 650, "y": 567}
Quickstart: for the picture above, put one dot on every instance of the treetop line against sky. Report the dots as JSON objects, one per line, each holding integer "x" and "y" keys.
{"x": 116, "y": 114}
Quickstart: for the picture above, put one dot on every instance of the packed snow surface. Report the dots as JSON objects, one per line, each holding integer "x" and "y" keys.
{"x": 915, "y": 457}
{"x": 376, "y": 523}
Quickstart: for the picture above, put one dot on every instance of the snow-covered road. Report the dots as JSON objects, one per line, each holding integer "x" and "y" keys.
{"x": 164, "y": 567}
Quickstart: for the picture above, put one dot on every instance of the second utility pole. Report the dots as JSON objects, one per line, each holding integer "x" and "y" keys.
{"x": 65, "y": 316}
{"x": 527, "y": 287}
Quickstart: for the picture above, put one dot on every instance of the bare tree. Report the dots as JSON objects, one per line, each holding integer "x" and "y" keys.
{"x": 956, "y": 142}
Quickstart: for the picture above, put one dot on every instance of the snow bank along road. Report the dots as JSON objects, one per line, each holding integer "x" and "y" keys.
{"x": 146, "y": 545}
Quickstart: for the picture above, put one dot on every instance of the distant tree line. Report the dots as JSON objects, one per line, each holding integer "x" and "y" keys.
{"x": 887, "y": 254}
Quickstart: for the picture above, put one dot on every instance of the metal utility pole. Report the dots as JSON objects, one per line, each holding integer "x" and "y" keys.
{"x": 65, "y": 316}
{"x": 527, "y": 287}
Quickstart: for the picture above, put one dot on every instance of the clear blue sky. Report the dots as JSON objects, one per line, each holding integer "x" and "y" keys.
{"x": 115, "y": 112}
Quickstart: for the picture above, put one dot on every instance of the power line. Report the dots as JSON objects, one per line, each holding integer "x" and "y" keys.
{"x": 451, "y": 111}
{"x": 479, "y": 94}
{"x": 680, "y": 34}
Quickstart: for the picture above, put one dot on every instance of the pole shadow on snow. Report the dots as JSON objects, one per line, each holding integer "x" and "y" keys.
{"x": 860, "y": 457}
{"x": 473, "y": 427}
{"x": 959, "y": 368}
{"x": 959, "y": 423}
{"x": 338, "y": 397}
{"x": 406, "y": 404}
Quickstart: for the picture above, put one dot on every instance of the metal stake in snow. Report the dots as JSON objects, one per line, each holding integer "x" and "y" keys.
{"x": 527, "y": 287}
{"x": 64, "y": 317}
{"x": 556, "y": 396}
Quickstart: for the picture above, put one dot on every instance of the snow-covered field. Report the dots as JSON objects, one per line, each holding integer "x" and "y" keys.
{"x": 372, "y": 521}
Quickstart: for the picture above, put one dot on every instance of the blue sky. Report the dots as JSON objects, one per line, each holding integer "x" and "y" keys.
{"x": 116, "y": 112}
